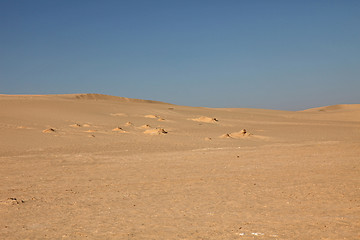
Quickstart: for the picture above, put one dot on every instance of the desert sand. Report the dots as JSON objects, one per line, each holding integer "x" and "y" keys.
{"x": 102, "y": 167}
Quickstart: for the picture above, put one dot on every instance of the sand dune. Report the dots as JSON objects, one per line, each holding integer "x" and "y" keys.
{"x": 68, "y": 173}
{"x": 339, "y": 107}
{"x": 341, "y": 112}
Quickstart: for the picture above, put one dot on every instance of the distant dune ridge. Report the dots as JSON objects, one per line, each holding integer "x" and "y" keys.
{"x": 83, "y": 96}
{"x": 339, "y": 107}
{"x": 95, "y": 96}
{"x": 345, "y": 112}
{"x": 103, "y": 167}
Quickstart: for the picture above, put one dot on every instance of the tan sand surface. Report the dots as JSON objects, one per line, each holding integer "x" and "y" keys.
{"x": 91, "y": 166}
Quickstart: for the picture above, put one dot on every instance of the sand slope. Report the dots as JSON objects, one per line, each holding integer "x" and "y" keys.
{"x": 94, "y": 166}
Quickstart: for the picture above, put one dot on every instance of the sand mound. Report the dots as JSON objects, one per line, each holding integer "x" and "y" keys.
{"x": 146, "y": 126}
{"x": 22, "y": 127}
{"x": 128, "y": 124}
{"x": 157, "y": 131}
{"x": 118, "y": 114}
{"x": 86, "y": 125}
{"x": 49, "y": 130}
{"x": 91, "y": 130}
{"x": 205, "y": 119}
{"x": 151, "y": 116}
{"x": 119, "y": 129}
{"x": 240, "y": 134}
{"x": 161, "y": 119}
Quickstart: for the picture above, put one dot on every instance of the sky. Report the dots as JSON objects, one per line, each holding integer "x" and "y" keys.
{"x": 286, "y": 55}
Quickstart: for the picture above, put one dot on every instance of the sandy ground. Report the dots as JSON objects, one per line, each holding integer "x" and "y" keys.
{"x": 100, "y": 167}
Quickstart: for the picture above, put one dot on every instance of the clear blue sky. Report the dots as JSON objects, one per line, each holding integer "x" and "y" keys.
{"x": 287, "y": 55}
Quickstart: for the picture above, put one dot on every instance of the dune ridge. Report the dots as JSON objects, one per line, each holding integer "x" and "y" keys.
{"x": 83, "y": 96}
{"x": 334, "y": 108}
{"x": 95, "y": 96}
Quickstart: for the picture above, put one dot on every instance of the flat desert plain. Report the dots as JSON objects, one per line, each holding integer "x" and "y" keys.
{"x": 91, "y": 166}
